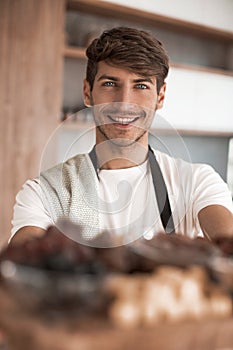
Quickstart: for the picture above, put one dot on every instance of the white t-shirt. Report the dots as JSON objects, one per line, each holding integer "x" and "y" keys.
{"x": 128, "y": 202}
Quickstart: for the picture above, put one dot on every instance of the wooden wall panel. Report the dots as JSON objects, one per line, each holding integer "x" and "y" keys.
{"x": 31, "y": 64}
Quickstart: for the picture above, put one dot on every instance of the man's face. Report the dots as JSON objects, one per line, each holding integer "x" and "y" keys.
{"x": 124, "y": 104}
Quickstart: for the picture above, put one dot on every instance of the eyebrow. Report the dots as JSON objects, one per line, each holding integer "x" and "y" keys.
{"x": 141, "y": 80}
{"x": 109, "y": 77}
{"x": 138, "y": 80}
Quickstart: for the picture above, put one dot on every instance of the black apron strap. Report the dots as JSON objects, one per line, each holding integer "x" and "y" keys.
{"x": 93, "y": 157}
{"x": 159, "y": 187}
{"x": 161, "y": 194}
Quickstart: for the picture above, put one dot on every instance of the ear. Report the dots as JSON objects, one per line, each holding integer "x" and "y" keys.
{"x": 87, "y": 93}
{"x": 161, "y": 96}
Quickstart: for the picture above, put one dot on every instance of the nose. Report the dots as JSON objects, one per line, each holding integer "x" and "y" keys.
{"x": 125, "y": 95}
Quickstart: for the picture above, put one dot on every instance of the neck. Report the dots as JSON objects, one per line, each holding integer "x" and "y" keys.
{"x": 111, "y": 156}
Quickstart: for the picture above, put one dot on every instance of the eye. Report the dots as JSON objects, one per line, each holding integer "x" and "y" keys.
{"x": 109, "y": 83}
{"x": 141, "y": 86}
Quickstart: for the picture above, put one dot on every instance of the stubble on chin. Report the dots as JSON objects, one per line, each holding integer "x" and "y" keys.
{"x": 121, "y": 141}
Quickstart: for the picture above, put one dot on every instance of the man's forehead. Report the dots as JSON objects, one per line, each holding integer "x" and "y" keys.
{"x": 116, "y": 73}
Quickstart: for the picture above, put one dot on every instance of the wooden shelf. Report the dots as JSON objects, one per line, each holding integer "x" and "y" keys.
{"x": 111, "y": 10}
{"x": 202, "y": 69}
{"x": 206, "y": 133}
{"x": 68, "y": 125}
{"x": 79, "y": 53}
{"x": 75, "y": 52}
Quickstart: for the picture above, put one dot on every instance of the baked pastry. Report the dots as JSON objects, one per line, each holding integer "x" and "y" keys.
{"x": 140, "y": 284}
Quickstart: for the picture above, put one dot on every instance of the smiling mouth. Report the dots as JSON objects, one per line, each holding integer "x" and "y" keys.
{"x": 123, "y": 120}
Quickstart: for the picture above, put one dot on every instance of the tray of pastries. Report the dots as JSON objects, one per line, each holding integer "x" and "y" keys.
{"x": 58, "y": 294}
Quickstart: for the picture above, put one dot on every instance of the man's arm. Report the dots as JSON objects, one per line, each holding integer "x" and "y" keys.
{"x": 26, "y": 233}
{"x": 216, "y": 221}
{"x": 29, "y": 213}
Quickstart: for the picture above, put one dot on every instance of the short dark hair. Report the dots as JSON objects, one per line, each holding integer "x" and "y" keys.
{"x": 130, "y": 48}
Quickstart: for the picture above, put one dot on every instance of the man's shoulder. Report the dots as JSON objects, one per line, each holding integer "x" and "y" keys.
{"x": 181, "y": 166}
{"x": 167, "y": 159}
{"x": 72, "y": 162}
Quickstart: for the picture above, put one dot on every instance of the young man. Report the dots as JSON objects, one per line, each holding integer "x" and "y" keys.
{"x": 123, "y": 186}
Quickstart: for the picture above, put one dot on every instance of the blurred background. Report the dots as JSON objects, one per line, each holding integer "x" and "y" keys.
{"x": 42, "y": 66}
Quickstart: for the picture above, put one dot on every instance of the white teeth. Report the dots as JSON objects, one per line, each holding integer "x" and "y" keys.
{"x": 123, "y": 120}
